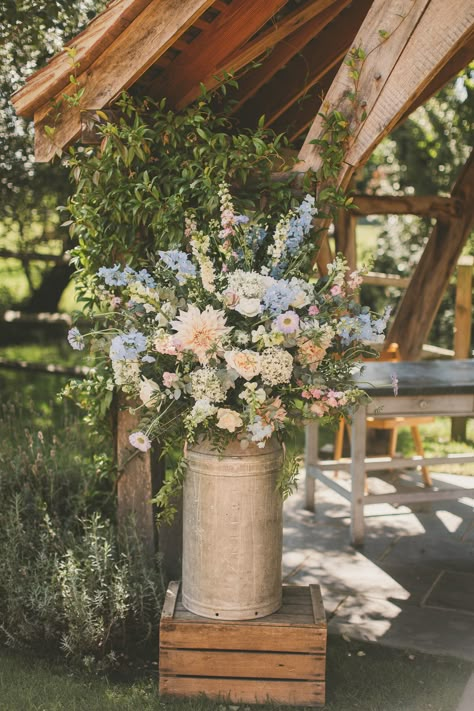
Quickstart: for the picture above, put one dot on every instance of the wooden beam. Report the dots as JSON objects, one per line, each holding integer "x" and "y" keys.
{"x": 205, "y": 57}
{"x": 397, "y": 21}
{"x": 44, "y": 84}
{"x": 129, "y": 56}
{"x": 456, "y": 64}
{"x": 441, "y": 31}
{"x": 422, "y": 205}
{"x": 423, "y": 296}
{"x": 284, "y": 51}
{"x": 307, "y": 69}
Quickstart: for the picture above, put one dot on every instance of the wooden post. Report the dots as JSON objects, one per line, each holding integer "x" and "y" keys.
{"x": 346, "y": 237}
{"x": 140, "y": 476}
{"x": 462, "y": 330}
{"x": 311, "y": 460}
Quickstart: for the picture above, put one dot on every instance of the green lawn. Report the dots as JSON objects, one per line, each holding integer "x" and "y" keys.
{"x": 359, "y": 676}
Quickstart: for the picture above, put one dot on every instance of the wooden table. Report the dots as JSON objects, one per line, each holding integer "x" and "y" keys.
{"x": 424, "y": 388}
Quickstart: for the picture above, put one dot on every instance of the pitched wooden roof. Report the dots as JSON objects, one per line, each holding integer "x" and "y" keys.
{"x": 169, "y": 47}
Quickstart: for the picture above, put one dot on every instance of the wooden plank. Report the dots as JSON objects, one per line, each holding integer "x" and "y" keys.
{"x": 284, "y": 51}
{"x": 441, "y": 31}
{"x": 462, "y": 329}
{"x": 306, "y": 69}
{"x": 423, "y": 296}
{"x": 246, "y": 664}
{"x": 377, "y": 278}
{"x": 127, "y": 58}
{"x": 422, "y": 205}
{"x": 262, "y": 637}
{"x": 45, "y": 83}
{"x": 372, "y": 464}
{"x": 171, "y": 599}
{"x": 301, "y": 693}
{"x": 204, "y": 58}
{"x": 319, "y": 613}
{"x": 398, "y": 21}
{"x": 420, "y": 495}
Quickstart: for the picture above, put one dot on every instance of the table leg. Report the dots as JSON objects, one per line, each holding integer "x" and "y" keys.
{"x": 358, "y": 449}
{"x": 311, "y": 458}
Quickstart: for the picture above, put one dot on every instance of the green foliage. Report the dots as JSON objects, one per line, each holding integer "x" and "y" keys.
{"x": 67, "y": 581}
{"x": 130, "y": 190}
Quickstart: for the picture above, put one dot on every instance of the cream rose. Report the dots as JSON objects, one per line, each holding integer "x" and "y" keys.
{"x": 245, "y": 363}
{"x": 248, "y": 307}
{"x": 148, "y": 390}
{"x": 228, "y": 419}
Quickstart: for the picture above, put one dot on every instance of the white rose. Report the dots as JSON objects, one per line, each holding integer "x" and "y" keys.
{"x": 248, "y": 307}
{"x": 148, "y": 389}
{"x": 245, "y": 363}
{"x": 228, "y": 419}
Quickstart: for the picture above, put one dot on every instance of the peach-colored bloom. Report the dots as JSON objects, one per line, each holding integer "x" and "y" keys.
{"x": 246, "y": 363}
{"x": 200, "y": 331}
{"x": 228, "y": 419}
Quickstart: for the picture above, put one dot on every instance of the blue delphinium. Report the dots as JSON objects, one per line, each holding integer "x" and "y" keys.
{"x": 178, "y": 262}
{"x": 300, "y": 224}
{"x": 127, "y": 346}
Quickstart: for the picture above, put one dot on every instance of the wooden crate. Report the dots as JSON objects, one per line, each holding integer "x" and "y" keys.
{"x": 281, "y": 657}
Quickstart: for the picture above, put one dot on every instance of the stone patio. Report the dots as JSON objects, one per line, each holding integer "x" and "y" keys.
{"x": 412, "y": 583}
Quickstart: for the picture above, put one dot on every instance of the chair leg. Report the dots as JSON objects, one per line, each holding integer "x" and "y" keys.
{"x": 339, "y": 443}
{"x": 392, "y": 442}
{"x": 415, "y": 433}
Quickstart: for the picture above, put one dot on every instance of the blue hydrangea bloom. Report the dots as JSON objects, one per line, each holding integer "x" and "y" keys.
{"x": 278, "y": 297}
{"x": 178, "y": 262}
{"x": 241, "y": 219}
{"x": 127, "y": 346}
{"x": 113, "y": 276}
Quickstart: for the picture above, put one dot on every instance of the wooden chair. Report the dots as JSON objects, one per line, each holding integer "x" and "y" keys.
{"x": 390, "y": 424}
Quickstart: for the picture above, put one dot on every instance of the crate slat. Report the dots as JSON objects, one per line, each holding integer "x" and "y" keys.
{"x": 266, "y": 665}
{"x": 297, "y": 693}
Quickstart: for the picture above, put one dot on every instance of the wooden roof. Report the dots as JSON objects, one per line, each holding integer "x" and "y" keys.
{"x": 169, "y": 47}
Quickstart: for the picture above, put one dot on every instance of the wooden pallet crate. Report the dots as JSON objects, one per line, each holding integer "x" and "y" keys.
{"x": 281, "y": 657}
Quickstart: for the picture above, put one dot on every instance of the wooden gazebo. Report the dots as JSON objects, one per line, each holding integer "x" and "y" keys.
{"x": 281, "y": 51}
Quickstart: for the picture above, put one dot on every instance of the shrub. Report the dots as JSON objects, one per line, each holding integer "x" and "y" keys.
{"x": 67, "y": 578}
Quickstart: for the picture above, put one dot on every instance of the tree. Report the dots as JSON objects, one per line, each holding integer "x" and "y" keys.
{"x": 30, "y": 32}
{"x": 422, "y": 157}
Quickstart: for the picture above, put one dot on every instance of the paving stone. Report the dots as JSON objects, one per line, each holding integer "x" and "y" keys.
{"x": 406, "y": 626}
{"x": 454, "y": 591}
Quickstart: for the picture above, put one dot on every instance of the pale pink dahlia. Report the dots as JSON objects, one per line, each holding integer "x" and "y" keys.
{"x": 200, "y": 331}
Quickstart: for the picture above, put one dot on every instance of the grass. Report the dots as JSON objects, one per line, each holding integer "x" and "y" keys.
{"x": 359, "y": 676}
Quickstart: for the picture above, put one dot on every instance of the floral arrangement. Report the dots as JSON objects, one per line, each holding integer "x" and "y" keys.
{"x": 228, "y": 338}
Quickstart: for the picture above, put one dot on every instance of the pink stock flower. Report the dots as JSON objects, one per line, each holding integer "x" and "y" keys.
{"x": 336, "y": 290}
{"x": 313, "y": 310}
{"x": 169, "y": 379}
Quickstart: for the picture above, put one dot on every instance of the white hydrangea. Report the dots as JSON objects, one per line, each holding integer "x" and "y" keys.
{"x": 276, "y": 366}
{"x": 201, "y": 410}
{"x": 248, "y": 285}
{"x": 126, "y": 373}
{"x": 206, "y": 383}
